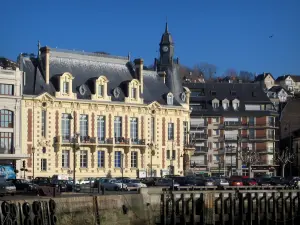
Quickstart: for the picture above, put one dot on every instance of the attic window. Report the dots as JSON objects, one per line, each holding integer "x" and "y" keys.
{"x": 213, "y": 93}
{"x": 170, "y": 99}
{"x": 100, "y": 90}
{"x": 65, "y": 87}
{"x": 134, "y": 92}
{"x": 233, "y": 93}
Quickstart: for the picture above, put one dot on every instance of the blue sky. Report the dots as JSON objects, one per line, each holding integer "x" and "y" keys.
{"x": 231, "y": 34}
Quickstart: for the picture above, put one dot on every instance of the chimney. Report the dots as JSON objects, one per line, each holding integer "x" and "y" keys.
{"x": 139, "y": 65}
{"x": 45, "y": 53}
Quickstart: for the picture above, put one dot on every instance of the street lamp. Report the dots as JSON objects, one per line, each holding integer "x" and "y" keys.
{"x": 74, "y": 152}
{"x": 33, "y": 151}
{"x": 152, "y": 151}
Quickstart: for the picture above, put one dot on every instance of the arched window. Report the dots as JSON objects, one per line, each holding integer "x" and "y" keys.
{"x": 6, "y": 118}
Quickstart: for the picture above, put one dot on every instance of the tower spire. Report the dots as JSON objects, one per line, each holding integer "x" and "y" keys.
{"x": 166, "y": 29}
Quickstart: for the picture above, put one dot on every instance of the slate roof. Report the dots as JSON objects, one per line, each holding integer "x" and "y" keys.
{"x": 86, "y": 67}
{"x": 290, "y": 116}
{"x": 246, "y": 93}
{"x": 261, "y": 77}
{"x": 295, "y": 78}
{"x": 277, "y": 89}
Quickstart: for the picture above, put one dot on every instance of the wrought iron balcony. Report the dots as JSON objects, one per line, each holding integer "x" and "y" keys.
{"x": 138, "y": 141}
{"x": 122, "y": 141}
{"x": 108, "y": 141}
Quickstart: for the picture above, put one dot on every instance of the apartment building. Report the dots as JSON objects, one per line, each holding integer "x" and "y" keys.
{"x": 290, "y": 83}
{"x": 10, "y": 118}
{"x": 232, "y": 125}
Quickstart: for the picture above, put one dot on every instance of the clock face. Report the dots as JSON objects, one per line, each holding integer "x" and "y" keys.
{"x": 165, "y": 48}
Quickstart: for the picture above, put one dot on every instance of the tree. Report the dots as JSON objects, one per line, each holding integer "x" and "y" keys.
{"x": 249, "y": 157}
{"x": 246, "y": 76}
{"x": 231, "y": 73}
{"x": 207, "y": 70}
{"x": 283, "y": 158}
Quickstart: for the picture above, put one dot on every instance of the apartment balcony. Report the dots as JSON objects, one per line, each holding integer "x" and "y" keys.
{"x": 265, "y": 150}
{"x": 232, "y": 124}
{"x": 200, "y": 150}
{"x": 105, "y": 141}
{"x": 233, "y": 138}
{"x": 198, "y": 125}
{"x": 273, "y": 125}
{"x": 122, "y": 141}
{"x": 198, "y": 163}
{"x": 262, "y": 138}
{"x": 138, "y": 142}
{"x": 199, "y": 136}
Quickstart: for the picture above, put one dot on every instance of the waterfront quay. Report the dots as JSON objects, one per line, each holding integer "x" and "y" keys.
{"x": 189, "y": 206}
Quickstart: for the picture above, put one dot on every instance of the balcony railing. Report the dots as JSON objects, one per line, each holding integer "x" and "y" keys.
{"x": 87, "y": 139}
{"x": 7, "y": 151}
{"x": 230, "y": 137}
{"x": 198, "y": 125}
{"x": 199, "y": 136}
{"x": 138, "y": 141}
{"x": 122, "y": 140}
{"x": 198, "y": 163}
{"x": 108, "y": 141}
{"x": 232, "y": 123}
{"x": 201, "y": 149}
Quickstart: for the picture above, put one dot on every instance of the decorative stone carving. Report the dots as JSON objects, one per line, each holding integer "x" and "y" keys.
{"x": 44, "y": 143}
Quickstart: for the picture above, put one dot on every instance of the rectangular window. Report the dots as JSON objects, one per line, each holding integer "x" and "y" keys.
{"x": 168, "y": 154}
{"x": 118, "y": 159}
{"x": 251, "y": 121}
{"x": 65, "y": 126}
{"x": 101, "y": 159}
{"x": 83, "y": 158}
{"x": 118, "y": 128}
{"x": 152, "y": 129}
{"x": 134, "y": 93}
{"x": 44, "y": 125}
{"x": 215, "y": 105}
{"x": 101, "y": 128}
{"x": 213, "y": 93}
{"x": 185, "y": 132}
{"x": 215, "y": 119}
{"x": 6, "y": 89}
{"x": 84, "y": 128}
{"x": 251, "y": 133}
{"x": 6, "y": 143}
{"x": 216, "y": 145}
{"x": 170, "y": 131}
{"x": 65, "y": 87}
{"x": 134, "y": 159}
{"x": 43, "y": 164}
{"x": 100, "y": 90}
{"x": 65, "y": 158}
{"x": 134, "y": 129}
{"x": 6, "y": 118}
{"x": 216, "y": 132}
{"x": 173, "y": 154}
{"x": 271, "y": 120}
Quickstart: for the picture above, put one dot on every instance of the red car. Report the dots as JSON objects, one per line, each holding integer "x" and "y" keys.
{"x": 236, "y": 183}
{"x": 249, "y": 182}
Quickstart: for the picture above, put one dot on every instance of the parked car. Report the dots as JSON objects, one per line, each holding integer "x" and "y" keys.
{"x": 135, "y": 183}
{"x": 150, "y": 181}
{"x": 264, "y": 181}
{"x": 249, "y": 182}
{"x": 165, "y": 182}
{"x": 24, "y": 185}
{"x": 236, "y": 182}
{"x": 221, "y": 182}
{"x": 7, "y": 187}
{"x": 113, "y": 185}
{"x": 276, "y": 181}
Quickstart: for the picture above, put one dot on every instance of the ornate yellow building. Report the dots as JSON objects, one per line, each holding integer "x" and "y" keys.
{"x": 103, "y": 113}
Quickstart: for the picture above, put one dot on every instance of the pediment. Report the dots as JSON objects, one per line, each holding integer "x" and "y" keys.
{"x": 45, "y": 97}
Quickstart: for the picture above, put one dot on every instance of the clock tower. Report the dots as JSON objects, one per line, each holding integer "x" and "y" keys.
{"x": 166, "y": 49}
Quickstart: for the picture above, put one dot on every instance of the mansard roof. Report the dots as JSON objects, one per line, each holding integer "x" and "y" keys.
{"x": 86, "y": 67}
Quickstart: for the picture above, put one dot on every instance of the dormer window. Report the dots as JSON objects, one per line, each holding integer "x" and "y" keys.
{"x": 235, "y": 104}
{"x": 170, "y": 99}
{"x": 213, "y": 93}
{"x": 100, "y": 90}
{"x": 225, "y": 104}
{"x": 215, "y": 103}
{"x": 134, "y": 92}
{"x": 65, "y": 87}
